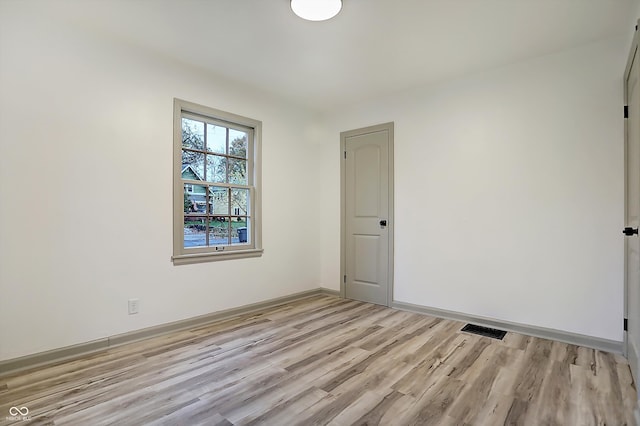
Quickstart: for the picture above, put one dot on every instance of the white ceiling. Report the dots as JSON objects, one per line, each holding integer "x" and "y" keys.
{"x": 372, "y": 48}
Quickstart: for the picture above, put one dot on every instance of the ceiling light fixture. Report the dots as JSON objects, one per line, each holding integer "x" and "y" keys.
{"x": 316, "y": 10}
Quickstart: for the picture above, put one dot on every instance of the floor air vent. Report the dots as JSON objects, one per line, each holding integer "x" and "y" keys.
{"x": 484, "y": 331}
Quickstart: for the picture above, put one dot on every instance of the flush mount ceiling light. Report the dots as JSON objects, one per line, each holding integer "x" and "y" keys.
{"x": 316, "y": 10}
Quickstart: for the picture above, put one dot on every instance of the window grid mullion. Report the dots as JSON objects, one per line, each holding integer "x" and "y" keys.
{"x": 226, "y": 154}
{"x": 221, "y": 184}
{"x": 228, "y": 210}
{"x": 206, "y": 206}
{"x": 196, "y": 150}
{"x": 205, "y": 155}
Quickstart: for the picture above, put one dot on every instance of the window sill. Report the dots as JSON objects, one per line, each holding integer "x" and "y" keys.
{"x": 188, "y": 259}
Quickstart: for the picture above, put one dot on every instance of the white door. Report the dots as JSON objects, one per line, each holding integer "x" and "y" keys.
{"x": 367, "y": 222}
{"x": 632, "y": 212}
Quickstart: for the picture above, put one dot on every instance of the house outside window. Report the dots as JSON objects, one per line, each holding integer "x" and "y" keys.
{"x": 217, "y": 199}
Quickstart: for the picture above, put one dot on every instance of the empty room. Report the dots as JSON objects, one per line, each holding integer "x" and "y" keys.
{"x": 319, "y": 212}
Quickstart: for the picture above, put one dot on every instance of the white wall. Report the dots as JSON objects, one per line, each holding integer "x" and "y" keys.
{"x": 508, "y": 192}
{"x": 509, "y": 200}
{"x": 85, "y": 185}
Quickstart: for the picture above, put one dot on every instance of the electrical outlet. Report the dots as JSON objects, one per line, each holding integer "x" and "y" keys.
{"x": 134, "y": 306}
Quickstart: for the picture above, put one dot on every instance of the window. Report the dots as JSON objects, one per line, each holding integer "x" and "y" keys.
{"x": 216, "y": 185}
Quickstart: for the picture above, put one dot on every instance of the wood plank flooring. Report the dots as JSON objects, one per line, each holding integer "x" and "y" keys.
{"x": 329, "y": 361}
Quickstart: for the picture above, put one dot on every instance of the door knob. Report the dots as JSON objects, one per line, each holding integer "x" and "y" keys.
{"x": 630, "y": 231}
{"x": 383, "y": 222}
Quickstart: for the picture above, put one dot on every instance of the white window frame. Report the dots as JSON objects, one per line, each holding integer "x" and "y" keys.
{"x": 253, "y": 248}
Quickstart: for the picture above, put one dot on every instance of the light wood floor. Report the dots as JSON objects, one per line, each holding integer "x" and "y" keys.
{"x": 324, "y": 360}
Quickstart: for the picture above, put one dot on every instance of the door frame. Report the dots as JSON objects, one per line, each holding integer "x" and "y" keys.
{"x": 631, "y": 357}
{"x": 632, "y": 56}
{"x": 343, "y": 217}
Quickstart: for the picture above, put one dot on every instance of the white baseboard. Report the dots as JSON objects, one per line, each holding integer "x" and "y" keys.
{"x": 40, "y": 359}
{"x": 545, "y": 333}
{"x": 56, "y": 355}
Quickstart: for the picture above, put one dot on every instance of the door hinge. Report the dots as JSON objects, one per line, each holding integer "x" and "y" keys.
{"x": 344, "y": 279}
{"x": 345, "y": 155}
{"x": 626, "y": 111}
{"x": 625, "y": 325}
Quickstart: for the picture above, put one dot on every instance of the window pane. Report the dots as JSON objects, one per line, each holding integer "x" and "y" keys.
{"x": 219, "y": 231}
{"x": 241, "y": 233}
{"x": 216, "y": 168}
{"x": 192, "y": 134}
{"x": 195, "y": 200}
{"x": 218, "y": 201}
{"x": 192, "y": 165}
{"x": 216, "y": 139}
{"x": 237, "y": 171}
{"x": 195, "y": 231}
{"x": 239, "y": 202}
{"x": 237, "y": 143}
